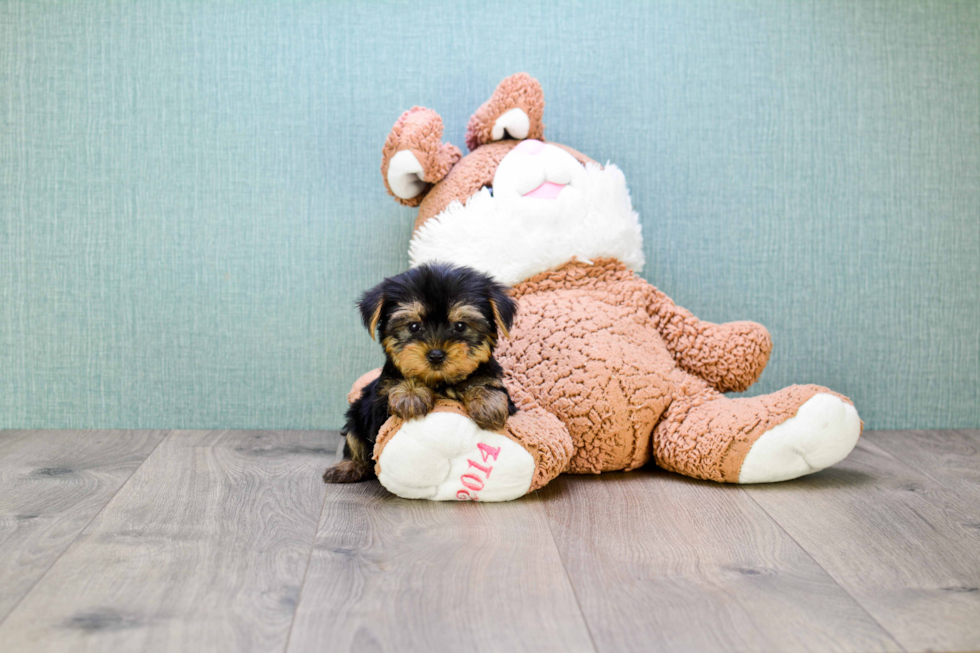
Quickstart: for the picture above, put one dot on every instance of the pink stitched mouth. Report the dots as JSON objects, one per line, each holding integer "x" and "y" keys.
{"x": 546, "y": 191}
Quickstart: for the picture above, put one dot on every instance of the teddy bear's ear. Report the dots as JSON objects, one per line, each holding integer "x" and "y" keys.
{"x": 414, "y": 156}
{"x": 514, "y": 110}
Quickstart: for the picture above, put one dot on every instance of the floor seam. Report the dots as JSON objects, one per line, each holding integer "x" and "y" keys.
{"x": 822, "y": 568}
{"x": 564, "y": 570}
{"x": 306, "y": 571}
{"x": 85, "y": 528}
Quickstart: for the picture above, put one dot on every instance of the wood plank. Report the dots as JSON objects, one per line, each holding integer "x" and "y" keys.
{"x": 898, "y": 541}
{"x": 390, "y": 574}
{"x": 973, "y": 434}
{"x": 660, "y": 562}
{"x": 204, "y": 549}
{"x": 951, "y": 458}
{"x": 52, "y": 484}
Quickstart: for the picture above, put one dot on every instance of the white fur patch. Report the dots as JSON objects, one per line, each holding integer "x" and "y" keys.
{"x": 405, "y": 175}
{"x": 822, "y": 433}
{"x": 513, "y": 238}
{"x": 514, "y": 122}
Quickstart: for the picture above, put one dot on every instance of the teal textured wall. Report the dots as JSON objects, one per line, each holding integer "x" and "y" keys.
{"x": 190, "y": 197}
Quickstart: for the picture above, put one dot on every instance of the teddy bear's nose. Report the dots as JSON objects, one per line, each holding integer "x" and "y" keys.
{"x": 529, "y": 147}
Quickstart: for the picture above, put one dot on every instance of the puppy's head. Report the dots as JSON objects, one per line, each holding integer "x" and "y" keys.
{"x": 438, "y": 322}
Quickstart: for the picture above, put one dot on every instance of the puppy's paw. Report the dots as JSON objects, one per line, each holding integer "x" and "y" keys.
{"x": 348, "y": 471}
{"x": 487, "y": 407}
{"x": 411, "y": 400}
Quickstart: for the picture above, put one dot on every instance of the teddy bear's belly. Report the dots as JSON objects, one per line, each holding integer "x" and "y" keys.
{"x": 600, "y": 367}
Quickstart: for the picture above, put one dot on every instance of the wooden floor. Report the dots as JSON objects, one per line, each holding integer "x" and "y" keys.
{"x": 228, "y": 540}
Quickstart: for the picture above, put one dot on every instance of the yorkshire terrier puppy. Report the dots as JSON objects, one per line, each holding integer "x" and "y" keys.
{"x": 438, "y": 325}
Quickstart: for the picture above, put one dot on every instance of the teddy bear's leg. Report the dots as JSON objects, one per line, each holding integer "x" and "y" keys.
{"x": 445, "y": 456}
{"x": 776, "y": 437}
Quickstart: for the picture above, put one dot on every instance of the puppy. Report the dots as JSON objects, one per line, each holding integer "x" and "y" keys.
{"x": 439, "y": 325}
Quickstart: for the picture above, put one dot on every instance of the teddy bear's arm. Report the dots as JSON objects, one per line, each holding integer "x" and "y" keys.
{"x": 729, "y": 356}
{"x": 545, "y": 437}
{"x": 358, "y": 387}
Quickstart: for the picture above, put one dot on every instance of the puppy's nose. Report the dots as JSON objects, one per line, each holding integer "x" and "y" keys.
{"x": 436, "y": 356}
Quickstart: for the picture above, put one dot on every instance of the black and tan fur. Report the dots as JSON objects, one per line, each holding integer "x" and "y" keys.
{"x": 438, "y": 325}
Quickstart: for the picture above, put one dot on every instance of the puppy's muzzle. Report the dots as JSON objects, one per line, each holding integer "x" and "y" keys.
{"x": 436, "y": 356}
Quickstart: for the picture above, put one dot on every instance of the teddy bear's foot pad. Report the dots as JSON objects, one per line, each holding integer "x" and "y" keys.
{"x": 822, "y": 433}
{"x": 446, "y": 457}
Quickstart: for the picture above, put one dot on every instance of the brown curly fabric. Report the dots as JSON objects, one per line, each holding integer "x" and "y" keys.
{"x": 601, "y": 349}
{"x": 519, "y": 91}
{"x": 706, "y": 435}
{"x": 387, "y": 432}
{"x": 584, "y": 352}
{"x": 419, "y": 130}
{"x": 729, "y": 356}
{"x": 547, "y": 440}
{"x": 358, "y": 387}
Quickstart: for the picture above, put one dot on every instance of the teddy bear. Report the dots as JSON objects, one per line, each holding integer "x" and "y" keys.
{"x": 608, "y": 373}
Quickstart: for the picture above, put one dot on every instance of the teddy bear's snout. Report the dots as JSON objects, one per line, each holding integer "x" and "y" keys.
{"x": 536, "y": 171}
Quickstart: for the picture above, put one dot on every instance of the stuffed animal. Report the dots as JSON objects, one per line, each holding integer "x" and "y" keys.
{"x": 607, "y": 371}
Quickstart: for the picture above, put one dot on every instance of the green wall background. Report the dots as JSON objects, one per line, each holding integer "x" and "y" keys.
{"x": 190, "y": 197}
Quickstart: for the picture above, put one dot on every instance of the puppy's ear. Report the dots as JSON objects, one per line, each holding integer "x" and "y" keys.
{"x": 504, "y": 308}
{"x": 370, "y": 305}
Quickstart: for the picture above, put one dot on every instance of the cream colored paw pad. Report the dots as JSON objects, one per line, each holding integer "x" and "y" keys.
{"x": 447, "y": 457}
{"x": 822, "y": 433}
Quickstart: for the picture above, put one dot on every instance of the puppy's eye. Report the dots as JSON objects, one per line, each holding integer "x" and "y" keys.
{"x": 415, "y": 327}
{"x": 459, "y": 327}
